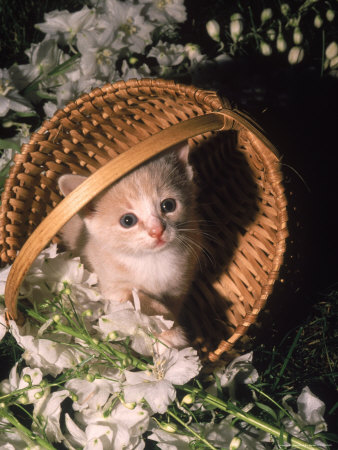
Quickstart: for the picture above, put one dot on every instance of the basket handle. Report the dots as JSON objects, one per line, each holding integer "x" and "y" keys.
{"x": 112, "y": 171}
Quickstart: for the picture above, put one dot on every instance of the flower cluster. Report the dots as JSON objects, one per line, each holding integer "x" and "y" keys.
{"x": 279, "y": 31}
{"x": 93, "y": 375}
{"x": 112, "y": 40}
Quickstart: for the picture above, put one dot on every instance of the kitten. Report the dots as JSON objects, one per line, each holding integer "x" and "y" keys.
{"x": 142, "y": 232}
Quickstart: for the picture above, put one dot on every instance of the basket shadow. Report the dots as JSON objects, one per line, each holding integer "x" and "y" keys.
{"x": 228, "y": 204}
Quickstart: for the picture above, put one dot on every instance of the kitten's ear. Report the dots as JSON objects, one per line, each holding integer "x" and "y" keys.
{"x": 67, "y": 183}
{"x": 183, "y": 150}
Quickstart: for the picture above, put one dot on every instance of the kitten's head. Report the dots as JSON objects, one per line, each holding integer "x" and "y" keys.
{"x": 145, "y": 210}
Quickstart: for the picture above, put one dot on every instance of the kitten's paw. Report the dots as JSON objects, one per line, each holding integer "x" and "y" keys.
{"x": 175, "y": 337}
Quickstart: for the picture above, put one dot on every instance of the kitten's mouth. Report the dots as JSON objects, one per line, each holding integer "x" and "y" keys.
{"x": 160, "y": 243}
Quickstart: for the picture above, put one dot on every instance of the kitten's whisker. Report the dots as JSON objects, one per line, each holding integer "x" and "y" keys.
{"x": 203, "y": 250}
{"x": 190, "y": 248}
{"x": 207, "y": 235}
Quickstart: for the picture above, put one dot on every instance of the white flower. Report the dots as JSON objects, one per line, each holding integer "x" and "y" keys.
{"x": 49, "y": 409}
{"x": 130, "y": 26}
{"x": 194, "y": 54}
{"x": 219, "y": 435}
{"x": 133, "y": 72}
{"x": 51, "y": 357}
{"x": 28, "y": 377}
{"x": 99, "y": 52}
{"x": 165, "y": 11}
{"x": 49, "y": 109}
{"x": 240, "y": 370}
{"x": 43, "y": 57}
{"x": 170, "y": 441}
{"x": 310, "y": 412}
{"x": 127, "y": 321}
{"x": 91, "y": 394}
{"x": 122, "y": 428}
{"x": 11, "y": 438}
{"x": 49, "y": 274}
{"x": 156, "y": 385}
{"x": 10, "y": 99}
{"x": 67, "y": 25}
{"x": 3, "y": 324}
{"x": 3, "y": 278}
{"x": 167, "y": 54}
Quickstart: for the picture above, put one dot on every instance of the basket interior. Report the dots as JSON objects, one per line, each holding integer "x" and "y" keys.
{"x": 241, "y": 200}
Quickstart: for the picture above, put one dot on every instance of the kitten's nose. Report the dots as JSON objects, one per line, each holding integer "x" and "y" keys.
{"x": 156, "y": 228}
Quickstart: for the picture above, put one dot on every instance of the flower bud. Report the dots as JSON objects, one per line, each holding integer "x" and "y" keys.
{"x": 170, "y": 427}
{"x": 87, "y": 313}
{"x": 43, "y": 384}
{"x": 188, "y": 399}
{"x": 285, "y": 9}
{"x": 296, "y": 55}
{"x": 27, "y": 378}
{"x": 334, "y": 63}
{"x": 271, "y": 33}
{"x": 38, "y": 395}
{"x": 57, "y": 318}
{"x": 74, "y": 397}
{"x": 293, "y": 22}
{"x": 331, "y": 50}
{"x": 212, "y": 27}
{"x": 281, "y": 43}
{"x": 90, "y": 377}
{"x": 236, "y": 26}
{"x": 318, "y": 21}
{"x": 66, "y": 291}
{"x": 95, "y": 341}
{"x": 133, "y": 60}
{"x": 2, "y": 405}
{"x": 112, "y": 336}
{"x": 297, "y": 36}
{"x": 266, "y": 14}
{"x": 126, "y": 362}
{"x": 128, "y": 405}
{"x": 23, "y": 399}
{"x": 8, "y": 124}
{"x": 330, "y": 15}
{"x": 266, "y": 49}
{"x": 235, "y": 443}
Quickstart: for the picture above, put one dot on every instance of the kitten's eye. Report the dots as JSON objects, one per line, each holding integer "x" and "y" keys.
{"x": 168, "y": 205}
{"x": 128, "y": 220}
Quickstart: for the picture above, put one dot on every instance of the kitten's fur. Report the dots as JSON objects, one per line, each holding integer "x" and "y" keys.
{"x": 157, "y": 255}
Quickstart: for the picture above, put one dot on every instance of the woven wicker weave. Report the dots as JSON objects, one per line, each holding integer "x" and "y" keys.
{"x": 112, "y": 130}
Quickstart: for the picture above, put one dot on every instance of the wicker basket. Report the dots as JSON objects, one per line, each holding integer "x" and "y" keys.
{"x": 112, "y": 130}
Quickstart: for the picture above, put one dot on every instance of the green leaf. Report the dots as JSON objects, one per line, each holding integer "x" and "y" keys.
{"x": 7, "y": 143}
{"x": 26, "y": 114}
{"x": 267, "y": 409}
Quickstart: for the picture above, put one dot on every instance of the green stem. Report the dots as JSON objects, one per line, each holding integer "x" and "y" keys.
{"x": 257, "y": 423}
{"x": 14, "y": 421}
{"x": 200, "y": 438}
{"x": 254, "y": 388}
{"x": 288, "y": 357}
{"x": 103, "y": 349}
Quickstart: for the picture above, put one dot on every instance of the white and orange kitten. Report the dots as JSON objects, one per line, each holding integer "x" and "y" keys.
{"x": 142, "y": 233}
